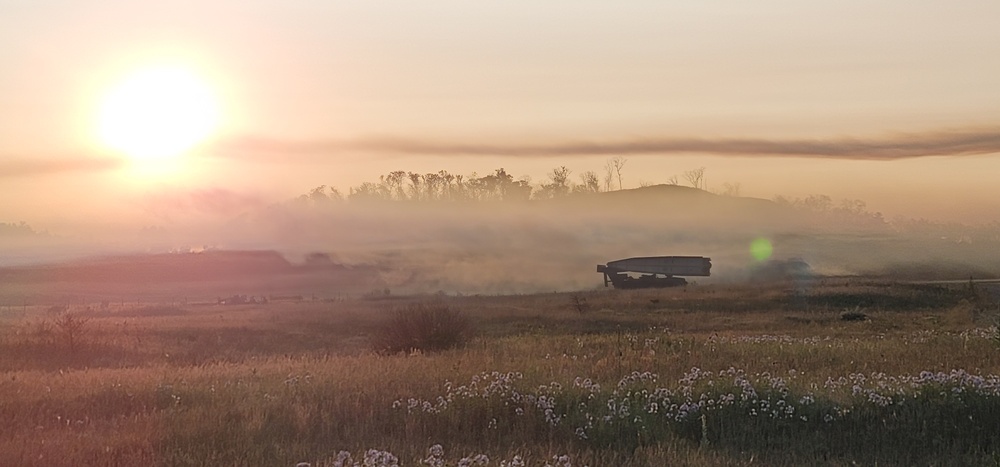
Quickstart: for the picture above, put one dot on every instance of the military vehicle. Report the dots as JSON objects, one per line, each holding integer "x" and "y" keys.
{"x": 653, "y": 271}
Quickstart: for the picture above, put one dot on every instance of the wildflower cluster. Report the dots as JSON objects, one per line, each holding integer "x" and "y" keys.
{"x": 981, "y": 333}
{"x": 435, "y": 458}
{"x": 495, "y": 388}
{"x": 767, "y": 339}
{"x": 924, "y": 336}
{"x": 294, "y": 380}
{"x": 372, "y": 458}
{"x": 702, "y": 404}
{"x": 883, "y": 390}
{"x": 560, "y": 461}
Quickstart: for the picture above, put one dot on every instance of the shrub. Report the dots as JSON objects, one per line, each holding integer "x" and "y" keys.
{"x": 579, "y": 303}
{"x": 71, "y": 327}
{"x": 422, "y": 327}
{"x": 855, "y": 314}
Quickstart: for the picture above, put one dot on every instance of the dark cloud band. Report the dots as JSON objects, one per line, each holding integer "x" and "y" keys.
{"x": 26, "y": 166}
{"x": 901, "y": 146}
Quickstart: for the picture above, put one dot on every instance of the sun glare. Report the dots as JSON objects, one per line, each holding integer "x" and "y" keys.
{"x": 158, "y": 113}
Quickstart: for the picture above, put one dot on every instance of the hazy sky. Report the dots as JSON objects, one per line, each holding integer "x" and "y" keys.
{"x": 894, "y": 102}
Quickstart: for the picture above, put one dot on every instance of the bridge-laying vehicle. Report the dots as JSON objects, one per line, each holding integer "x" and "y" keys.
{"x": 654, "y": 271}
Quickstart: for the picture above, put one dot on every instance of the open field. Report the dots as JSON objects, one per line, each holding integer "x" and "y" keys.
{"x": 703, "y": 375}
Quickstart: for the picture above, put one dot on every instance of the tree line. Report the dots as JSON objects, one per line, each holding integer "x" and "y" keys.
{"x": 499, "y": 185}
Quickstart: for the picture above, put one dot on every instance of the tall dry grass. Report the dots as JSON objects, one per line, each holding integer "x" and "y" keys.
{"x": 277, "y": 385}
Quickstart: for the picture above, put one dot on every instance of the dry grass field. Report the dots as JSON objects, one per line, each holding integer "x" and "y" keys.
{"x": 826, "y": 372}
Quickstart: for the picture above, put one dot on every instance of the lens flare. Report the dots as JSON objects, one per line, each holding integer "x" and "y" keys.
{"x": 761, "y": 249}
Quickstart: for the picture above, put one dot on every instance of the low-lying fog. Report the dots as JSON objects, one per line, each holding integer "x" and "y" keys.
{"x": 496, "y": 246}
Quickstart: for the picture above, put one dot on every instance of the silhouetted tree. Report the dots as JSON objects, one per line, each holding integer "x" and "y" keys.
{"x": 335, "y": 194}
{"x": 416, "y": 186}
{"x": 474, "y": 187}
{"x": 618, "y": 162}
{"x": 818, "y": 203}
{"x": 447, "y": 183}
{"x": 559, "y": 185}
{"x": 433, "y": 184}
{"x": 609, "y": 175}
{"x": 496, "y": 184}
{"x": 696, "y": 177}
{"x": 320, "y": 195}
{"x": 19, "y": 229}
{"x": 394, "y": 183}
{"x": 369, "y": 191}
{"x": 590, "y": 183}
{"x": 72, "y": 328}
{"x": 853, "y": 206}
{"x": 460, "y": 190}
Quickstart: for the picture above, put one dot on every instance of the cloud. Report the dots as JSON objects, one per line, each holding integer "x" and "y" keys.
{"x": 894, "y": 147}
{"x": 26, "y": 167}
{"x": 898, "y": 146}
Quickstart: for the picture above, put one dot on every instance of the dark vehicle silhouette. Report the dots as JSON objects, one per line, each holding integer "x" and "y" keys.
{"x": 654, "y": 271}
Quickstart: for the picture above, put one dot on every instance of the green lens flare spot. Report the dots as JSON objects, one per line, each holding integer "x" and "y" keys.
{"x": 761, "y": 249}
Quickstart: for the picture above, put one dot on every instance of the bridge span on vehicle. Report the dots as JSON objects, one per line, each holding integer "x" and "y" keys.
{"x": 654, "y": 271}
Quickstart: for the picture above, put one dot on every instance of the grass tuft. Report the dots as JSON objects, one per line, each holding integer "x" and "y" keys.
{"x": 422, "y": 327}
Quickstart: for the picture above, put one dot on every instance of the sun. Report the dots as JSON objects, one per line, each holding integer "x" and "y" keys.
{"x": 158, "y": 113}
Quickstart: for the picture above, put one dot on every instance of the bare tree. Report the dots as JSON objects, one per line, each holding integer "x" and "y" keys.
{"x": 432, "y": 186}
{"x": 696, "y": 177}
{"x": 460, "y": 190}
{"x": 394, "y": 184}
{"x": 72, "y": 328}
{"x": 368, "y": 191}
{"x": 335, "y": 194}
{"x": 818, "y": 203}
{"x": 590, "y": 183}
{"x": 619, "y": 162}
{"x": 672, "y": 180}
{"x": 609, "y": 175}
{"x": 416, "y": 185}
{"x": 317, "y": 195}
{"x": 853, "y": 206}
{"x": 560, "y": 176}
{"x": 559, "y": 186}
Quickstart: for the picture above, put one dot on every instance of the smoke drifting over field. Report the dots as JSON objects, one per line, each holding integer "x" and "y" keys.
{"x": 545, "y": 245}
